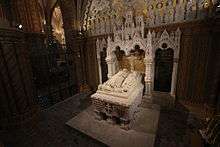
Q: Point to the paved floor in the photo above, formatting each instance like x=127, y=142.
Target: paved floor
x=173, y=130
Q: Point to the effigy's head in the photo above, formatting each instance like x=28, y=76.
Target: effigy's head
x=125, y=70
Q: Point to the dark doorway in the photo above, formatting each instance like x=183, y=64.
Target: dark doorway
x=163, y=70
x=104, y=66
x=119, y=53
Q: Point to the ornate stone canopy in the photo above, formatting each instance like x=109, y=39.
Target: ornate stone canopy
x=131, y=33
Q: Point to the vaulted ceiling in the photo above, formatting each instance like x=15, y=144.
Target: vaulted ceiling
x=98, y=9
x=79, y=7
x=86, y=10
x=47, y=6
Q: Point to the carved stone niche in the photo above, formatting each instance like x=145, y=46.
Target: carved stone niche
x=172, y=41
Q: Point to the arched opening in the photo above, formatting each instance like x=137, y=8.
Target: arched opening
x=119, y=53
x=58, y=32
x=163, y=69
x=121, y=58
x=57, y=25
x=137, y=47
x=138, y=51
x=104, y=65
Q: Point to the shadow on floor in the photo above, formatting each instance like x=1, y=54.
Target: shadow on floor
x=177, y=128
x=174, y=127
x=52, y=131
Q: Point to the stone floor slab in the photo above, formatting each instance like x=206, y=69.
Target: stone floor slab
x=142, y=134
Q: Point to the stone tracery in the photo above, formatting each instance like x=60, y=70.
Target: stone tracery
x=154, y=13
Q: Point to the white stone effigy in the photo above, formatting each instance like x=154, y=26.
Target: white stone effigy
x=118, y=98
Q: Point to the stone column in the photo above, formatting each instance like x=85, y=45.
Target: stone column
x=148, y=77
x=99, y=60
x=27, y=13
x=174, y=77
x=79, y=59
x=153, y=73
x=2, y=13
x=76, y=42
x=109, y=63
x=99, y=66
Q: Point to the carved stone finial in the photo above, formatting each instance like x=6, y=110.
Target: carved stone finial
x=97, y=44
x=165, y=34
x=149, y=33
x=153, y=34
x=149, y=38
x=104, y=43
x=178, y=32
x=109, y=39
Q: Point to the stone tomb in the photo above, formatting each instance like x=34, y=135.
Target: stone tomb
x=142, y=134
x=117, y=99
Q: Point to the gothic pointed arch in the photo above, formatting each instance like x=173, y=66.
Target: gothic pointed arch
x=57, y=25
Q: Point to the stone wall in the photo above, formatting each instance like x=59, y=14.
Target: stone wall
x=213, y=66
x=198, y=61
x=17, y=105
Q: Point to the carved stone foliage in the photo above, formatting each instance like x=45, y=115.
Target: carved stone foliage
x=104, y=16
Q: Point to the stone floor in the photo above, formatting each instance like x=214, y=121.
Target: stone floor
x=174, y=129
